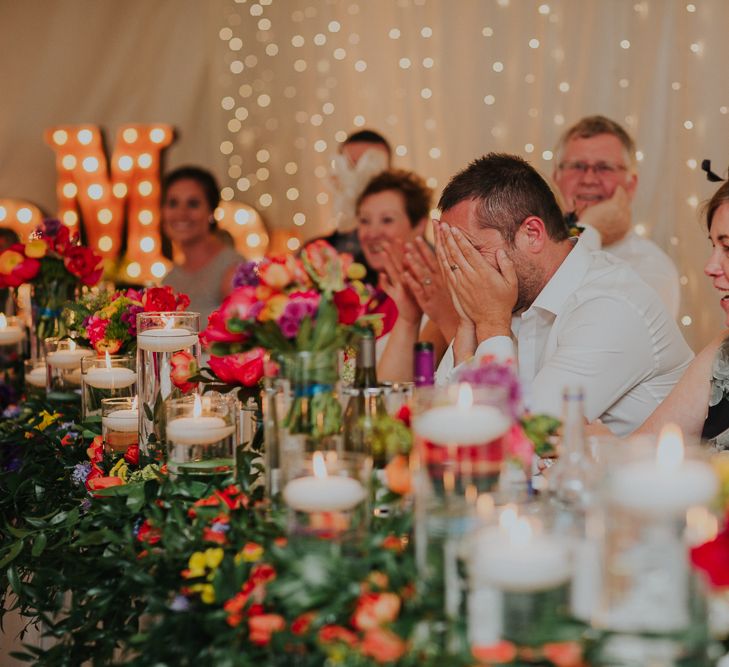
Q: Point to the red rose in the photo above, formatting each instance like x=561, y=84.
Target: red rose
x=61, y=241
x=98, y=483
x=163, y=299
x=302, y=622
x=84, y=263
x=132, y=455
x=261, y=627
x=348, y=305
x=95, y=450
x=244, y=369
x=383, y=645
x=375, y=609
x=217, y=332
x=148, y=534
x=16, y=268
x=337, y=633
x=184, y=366
x=712, y=558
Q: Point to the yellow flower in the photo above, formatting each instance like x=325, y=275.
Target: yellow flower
x=196, y=564
x=207, y=592
x=274, y=308
x=356, y=271
x=120, y=470
x=213, y=557
x=250, y=553
x=47, y=419
x=36, y=248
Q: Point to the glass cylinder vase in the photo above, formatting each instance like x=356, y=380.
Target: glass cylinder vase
x=168, y=347
x=12, y=337
x=63, y=362
x=47, y=300
x=36, y=378
x=119, y=423
x=110, y=376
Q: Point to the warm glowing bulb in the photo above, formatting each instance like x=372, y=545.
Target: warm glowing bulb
x=465, y=396
x=104, y=216
x=197, y=407
x=119, y=190
x=90, y=164
x=125, y=163
x=157, y=135
x=24, y=215
x=144, y=160
x=158, y=269
x=669, y=454
x=68, y=161
x=105, y=243
x=319, y=467
x=84, y=137
x=130, y=135
x=60, y=137
x=134, y=270
x=145, y=188
x=95, y=191
x=147, y=244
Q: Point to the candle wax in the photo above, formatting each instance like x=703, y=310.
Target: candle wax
x=11, y=335
x=452, y=425
x=166, y=340
x=66, y=359
x=37, y=377
x=123, y=420
x=197, y=430
x=323, y=494
x=110, y=378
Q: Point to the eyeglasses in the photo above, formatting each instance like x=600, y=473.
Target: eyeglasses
x=600, y=168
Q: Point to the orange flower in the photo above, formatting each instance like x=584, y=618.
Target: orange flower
x=337, y=633
x=383, y=645
x=375, y=609
x=261, y=627
x=235, y=607
x=251, y=552
x=210, y=535
x=36, y=248
x=95, y=451
x=397, y=474
x=275, y=273
x=393, y=543
x=564, y=654
x=495, y=653
x=302, y=622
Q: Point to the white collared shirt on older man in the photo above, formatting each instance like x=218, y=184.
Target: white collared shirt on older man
x=595, y=324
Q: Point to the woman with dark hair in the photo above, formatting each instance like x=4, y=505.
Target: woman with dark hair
x=699, y=403
x=189, y=198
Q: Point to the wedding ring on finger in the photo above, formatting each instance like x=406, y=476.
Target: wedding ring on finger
x=454, y=267
x=427, y=281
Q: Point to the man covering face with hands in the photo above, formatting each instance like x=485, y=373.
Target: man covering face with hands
x=569, y=315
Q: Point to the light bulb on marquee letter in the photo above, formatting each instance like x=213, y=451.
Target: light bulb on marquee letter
x=19, y=215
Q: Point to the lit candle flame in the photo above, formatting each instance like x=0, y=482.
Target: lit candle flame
x=108, y=360
x=485, y=506
x=71, y=345
x=465, y=396
x=319, y=467
x=134, y=403
x=3, y=321
x=669, y=454
x=520, y=532
x=197, y=407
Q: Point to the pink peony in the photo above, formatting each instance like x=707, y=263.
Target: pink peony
x=184, y=366
x=240, y=369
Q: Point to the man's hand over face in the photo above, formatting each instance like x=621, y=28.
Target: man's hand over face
x=611, y=217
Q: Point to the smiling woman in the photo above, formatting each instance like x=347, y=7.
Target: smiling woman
x=189, y=198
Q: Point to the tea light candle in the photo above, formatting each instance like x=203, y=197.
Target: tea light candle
x=513, y=558
x=463, y=424
x=322, y=492
x=10, y=334
x=124, y=421
x=198, y=430
x=37, y=377
x=70, y=358
x=166, y=339
x=110, y=377
x=667, y=485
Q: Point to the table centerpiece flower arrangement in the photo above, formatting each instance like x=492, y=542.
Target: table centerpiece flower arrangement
x=55, y=264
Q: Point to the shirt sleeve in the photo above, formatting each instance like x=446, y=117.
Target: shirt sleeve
x=605, y=347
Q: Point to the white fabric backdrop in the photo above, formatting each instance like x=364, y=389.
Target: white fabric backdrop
x=253, y=87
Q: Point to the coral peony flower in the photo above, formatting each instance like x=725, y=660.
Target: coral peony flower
x=564, y=654
x=16, y=268
x=349, y=306
x=148, y=534
x=324, y=264
x=397, y=474
x=383, y=645
x=275, y=273
x=84, y=263
x=98, y=483
x=244, y=369
x=302, y=623
x=95, y=450
x=184, y=366
x=518, y=446
x=261, y=627
x=337, y=633
x=375, y=609
x=495, y=653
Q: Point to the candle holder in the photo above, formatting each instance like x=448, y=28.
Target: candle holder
x=164, y=339
x=200, y=435
x=63, y=361
x=12, y=337
x=119, y=423
x=519, y=572
x=652, y=606
x=397, y=396
x=327, y=496
x=36, y=378
x=111, y=376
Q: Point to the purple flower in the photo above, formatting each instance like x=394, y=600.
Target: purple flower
x=294, y=313
x=246, y=275
x=85, y=505
x=50, y=227
x=11, y=412
x=80, y=473
x=129, y=317
x=218, y=527
x=180, y=603
x=493, y=374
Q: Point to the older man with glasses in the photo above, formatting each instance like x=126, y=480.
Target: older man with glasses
x=596, y=176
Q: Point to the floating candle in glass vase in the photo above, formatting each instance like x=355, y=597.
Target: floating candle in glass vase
x=12, y=335
x=119, y=423
x=110, y=376
x=200, y=435
x=63, y=358
x=12, y=330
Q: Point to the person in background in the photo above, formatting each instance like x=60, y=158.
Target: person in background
x=596, y=176
x=361, y=156
x=699, y=403
x=570, y=316
x=391, y=212
x=189, y=198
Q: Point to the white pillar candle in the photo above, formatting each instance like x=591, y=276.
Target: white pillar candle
x=125, y=421
x=198, y=430
x=162, y=339
x=667, y=485
x=322, y=492
x=10, y=334
x=463, y=424
x=37, y=377
x=514, y=559
x=68, y=359
x=115, y=377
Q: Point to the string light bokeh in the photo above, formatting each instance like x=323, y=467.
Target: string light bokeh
x=447, y=82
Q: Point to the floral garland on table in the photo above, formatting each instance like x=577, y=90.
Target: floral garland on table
x=107, y=321
x=54, y=263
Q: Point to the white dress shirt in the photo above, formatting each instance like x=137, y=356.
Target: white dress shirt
x=596, y=325
x=647, y=260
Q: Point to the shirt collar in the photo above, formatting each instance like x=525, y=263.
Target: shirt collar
x=566, y=279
